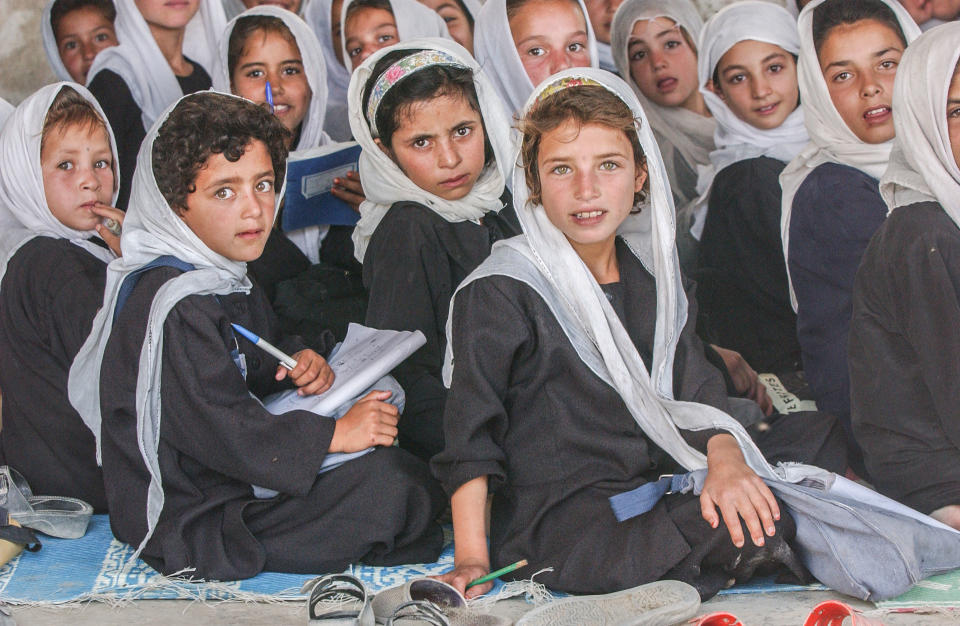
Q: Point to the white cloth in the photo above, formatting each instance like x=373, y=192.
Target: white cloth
x=141, y=65
x=922, y=167
x=24, y=213
x=736, y=140
x=678, y=129
x=5, y=110
x=50, y=44
x=337, y=124
x=311, y=130
x=605, y=58
x=233, y=8
x=831, y=140
x=383, y=181
x=414, y=21
x=589, y=319
x=151, y=229
x=495, y=51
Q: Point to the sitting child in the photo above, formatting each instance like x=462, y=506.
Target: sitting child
x=435, y=143
x=323, y=17
x=368, y=25
x=182, y=434
x=905, y=331
x=74, y=32
x=58, y=183
x=459, y=16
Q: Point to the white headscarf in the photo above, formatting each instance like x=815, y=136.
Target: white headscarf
x=414, y=21
x=311, y=130
x=677, y=128
x=831, y=140
x=736, y=140
x=588, y=318
x=24, y=213
x=495, y=51
x=141, y=65
x=922, y=167
x=383, y=181
x=50, y=44
x=317, y=15
x=151, y=229
x=5, y=110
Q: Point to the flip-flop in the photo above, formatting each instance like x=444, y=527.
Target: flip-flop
x=338, y=600
x=438, y=593
x=56, y=516
x=833, y=612
x=717, y=619
x=417, y=613
x=660, y=603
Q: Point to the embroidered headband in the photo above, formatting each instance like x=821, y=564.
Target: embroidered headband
x=398, y=71
x=565, y=83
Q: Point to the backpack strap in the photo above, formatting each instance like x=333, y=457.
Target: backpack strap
x=130, y=282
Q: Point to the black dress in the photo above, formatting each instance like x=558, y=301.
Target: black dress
x=216, y=439
x=904, y=365
x=414, y=263
x=556, y=442
x=125, y=117
x=49, y=296
x=744, y=297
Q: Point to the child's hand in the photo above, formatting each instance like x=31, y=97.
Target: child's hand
x=745, y=379
x=737, y=490
x=369, y=422
x=105, y=210
x=349, y=190
x=461, y=575
x=312, y=374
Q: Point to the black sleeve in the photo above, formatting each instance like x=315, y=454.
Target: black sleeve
x=337, y=248
x=124, y=115
x=76, y=296
x=209, y=414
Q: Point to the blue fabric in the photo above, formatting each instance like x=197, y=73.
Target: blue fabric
x=640, y=500
x=130, y=282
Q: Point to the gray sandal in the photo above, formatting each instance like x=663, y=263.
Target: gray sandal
x=56, y=516
x=338, y=600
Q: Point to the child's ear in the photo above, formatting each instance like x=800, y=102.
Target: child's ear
x=641, y=180
x=387, y=151
x=714, y=88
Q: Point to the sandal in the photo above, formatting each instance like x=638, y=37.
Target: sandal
x=62, y=517
x=833, y=612
x=441, y=595
x=717, y=619
x=418, y=613
x=338, y=600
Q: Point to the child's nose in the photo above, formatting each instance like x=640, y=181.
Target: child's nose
x=586, y=185
x=447, y=154
x=88, y=179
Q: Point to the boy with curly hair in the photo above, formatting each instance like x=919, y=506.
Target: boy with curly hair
x=173, y=393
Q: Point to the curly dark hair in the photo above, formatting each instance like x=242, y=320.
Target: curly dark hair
x=209, y=123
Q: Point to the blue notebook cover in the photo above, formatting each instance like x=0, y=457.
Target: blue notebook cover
x=310, y=175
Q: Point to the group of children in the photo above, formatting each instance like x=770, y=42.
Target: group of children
x=599, y=264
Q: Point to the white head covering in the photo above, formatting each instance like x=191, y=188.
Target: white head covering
x=151, y=229
x=5, y=110
x=414, y=21
x=831, y=140
x=317, y=14
x=588, y=318
x=922, y=167
x=737, y=140
x=24, y=213
x=495, y=51
x=143, y=67
x=383, y=181
x=677, y=128
x=233, y=8
x=50, y=44
x=311, y=130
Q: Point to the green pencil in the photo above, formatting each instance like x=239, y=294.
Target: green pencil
x=498, y=573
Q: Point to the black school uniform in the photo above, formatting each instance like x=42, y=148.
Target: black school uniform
x=125, y=117
x=904, y=365
x=49, y=296
x=215, y=440
x=413, y=264
x=556, y=442
x=744, y=296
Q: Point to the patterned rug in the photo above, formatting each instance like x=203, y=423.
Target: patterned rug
x=91, y=568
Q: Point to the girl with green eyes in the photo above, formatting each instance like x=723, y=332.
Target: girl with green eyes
x=850, y=52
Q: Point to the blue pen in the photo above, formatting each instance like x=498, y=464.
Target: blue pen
x=269, y=94
x=285, y=359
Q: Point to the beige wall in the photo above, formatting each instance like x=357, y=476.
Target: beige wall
x=23, y=62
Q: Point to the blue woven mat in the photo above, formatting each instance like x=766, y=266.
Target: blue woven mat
x=91, y=568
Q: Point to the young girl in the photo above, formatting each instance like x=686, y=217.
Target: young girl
x=459, y=16
x=551, y=406
x=519, y=43
x=58, y=183
x=654, y=46
x=323, y=16
x=850, y=50
x=747, y=74
x=74, y=32
x=368, y=25
x=182, y=435
x=905, y=331
x=435, y=140
x=151, y=68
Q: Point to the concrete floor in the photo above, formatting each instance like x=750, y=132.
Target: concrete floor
x=773, y=609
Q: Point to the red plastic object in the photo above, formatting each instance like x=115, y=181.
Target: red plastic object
x=717, y=619
x=833, y=612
